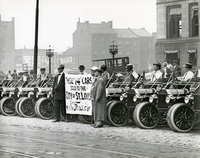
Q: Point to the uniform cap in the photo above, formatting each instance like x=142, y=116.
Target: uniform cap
x=157, y=64
x=61, y=66
x=119, y=75
x=188, y=65
x=93, y=68
x=104, y=67
x=129, y=67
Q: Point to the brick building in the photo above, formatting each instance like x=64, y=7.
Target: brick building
x=178, y=31
x=7, y=45
x=91, y=42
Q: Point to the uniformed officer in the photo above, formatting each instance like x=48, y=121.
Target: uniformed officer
x=43, y=78
x=188, y=73
x=131, y=75
x=25, y=78
x=157, y=73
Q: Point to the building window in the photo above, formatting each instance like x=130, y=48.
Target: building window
x=127, y=53
x=192, y=57
x=171, y=55
x=119, y=53
x=127, y=43
x=119, y=42
x=194, y=18
x=174, y=22
x=119, y=62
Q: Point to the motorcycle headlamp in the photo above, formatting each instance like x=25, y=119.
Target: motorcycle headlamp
x=153, y=98
x=169, y=98
x=136, y=97
x=30, y=94
x=18, y=94
x=10, y=94
x=38, y=94
x=188, y=98
x=121, y=98
x=48, y=94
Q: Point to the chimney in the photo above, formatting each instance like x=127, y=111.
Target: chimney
x=87, y=23
x=110, y=24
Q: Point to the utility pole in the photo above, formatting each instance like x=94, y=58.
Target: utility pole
x=36, y=37
x=50, y=54
x=113, y=50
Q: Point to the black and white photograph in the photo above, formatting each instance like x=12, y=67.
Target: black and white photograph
x=99, y=79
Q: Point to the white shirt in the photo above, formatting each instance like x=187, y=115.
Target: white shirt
x=188, y=75
x=9, y=77
x=156, y=75
x=59, y=76
x=83, y=73
x=24, y=78
x=43, y=76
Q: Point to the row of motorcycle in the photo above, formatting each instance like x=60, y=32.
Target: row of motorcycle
x=167, y=101
x=148, y=104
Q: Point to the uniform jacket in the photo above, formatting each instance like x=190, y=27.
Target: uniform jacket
x=99, y=95
x=156, y=75
x=177, y=71
x=187, y=76
x=59, y=88
x=106, y=77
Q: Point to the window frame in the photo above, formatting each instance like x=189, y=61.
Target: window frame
x=168, y=22
x=191, y=34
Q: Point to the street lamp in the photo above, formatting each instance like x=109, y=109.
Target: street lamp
x=49, y=53
x=113, y=50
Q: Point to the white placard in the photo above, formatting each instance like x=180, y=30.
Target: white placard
x=77, y=88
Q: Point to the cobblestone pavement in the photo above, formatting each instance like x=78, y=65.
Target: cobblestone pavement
x=161, y=135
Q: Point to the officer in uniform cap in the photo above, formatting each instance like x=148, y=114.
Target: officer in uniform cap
x=188, y=73
x=43, y=77
x=132, y=75
x=82, y=69
x=157, y=73
x=25, y=78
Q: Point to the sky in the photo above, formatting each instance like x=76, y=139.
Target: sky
x=58, y=18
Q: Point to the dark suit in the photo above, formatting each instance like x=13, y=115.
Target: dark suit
x=59, y=96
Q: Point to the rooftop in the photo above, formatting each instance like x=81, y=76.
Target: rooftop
x=141, y=32
x=125, y=33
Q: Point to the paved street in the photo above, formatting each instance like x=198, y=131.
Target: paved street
x=17, y=140
x=23, y=142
